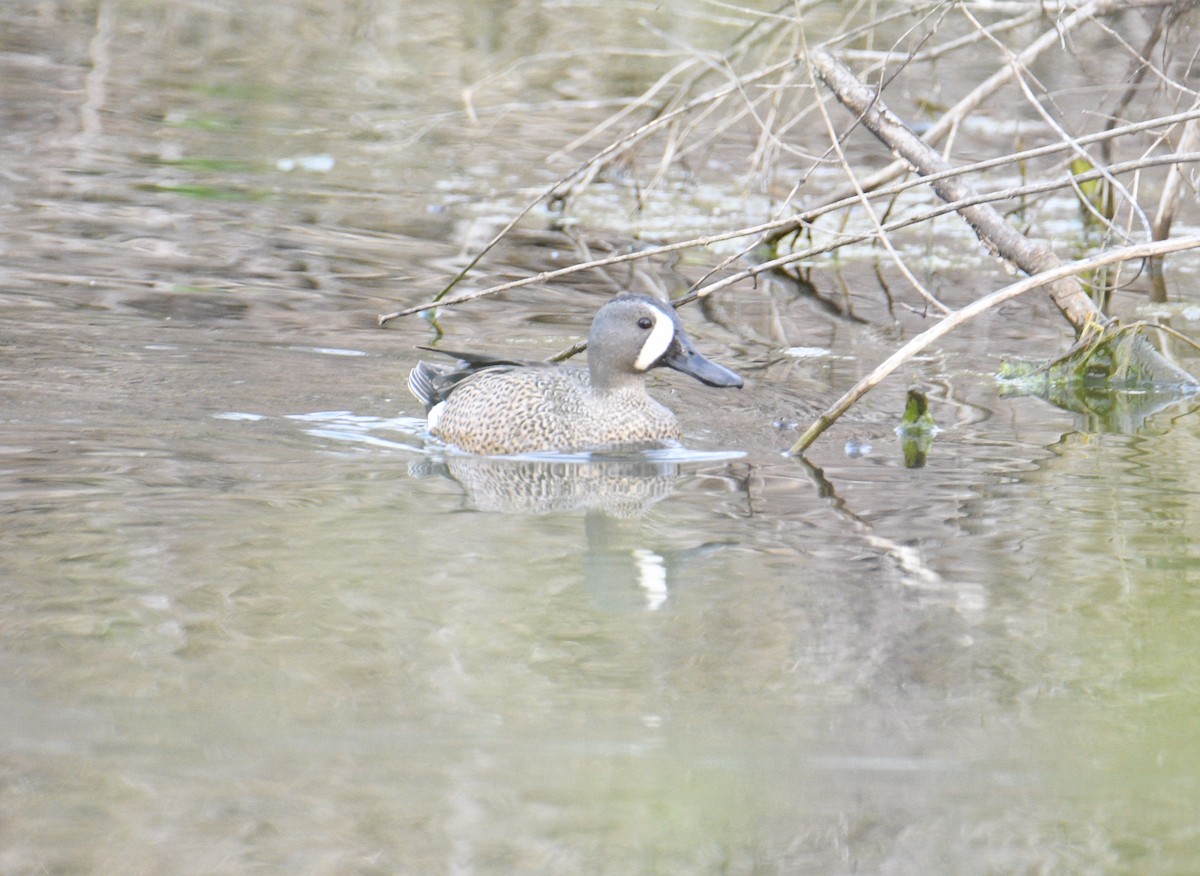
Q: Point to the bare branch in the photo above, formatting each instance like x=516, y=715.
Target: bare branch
x=811, y=215
x=995, y=233
x=954, y=116
x=866, y=203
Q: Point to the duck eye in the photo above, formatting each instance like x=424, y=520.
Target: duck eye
x=645, y=322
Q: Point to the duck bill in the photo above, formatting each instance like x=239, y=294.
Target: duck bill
x=682, y=356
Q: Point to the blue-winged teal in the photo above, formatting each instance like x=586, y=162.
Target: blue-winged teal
x=492, y=406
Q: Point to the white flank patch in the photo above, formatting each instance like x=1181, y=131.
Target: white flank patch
x=435, y=414
x=660, y=338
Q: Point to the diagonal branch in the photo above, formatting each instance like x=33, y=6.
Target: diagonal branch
x=954, y=116
x=997, y=235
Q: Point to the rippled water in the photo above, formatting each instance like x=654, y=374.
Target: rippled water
x=252, y=622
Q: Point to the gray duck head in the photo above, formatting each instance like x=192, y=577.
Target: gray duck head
x=633, y=333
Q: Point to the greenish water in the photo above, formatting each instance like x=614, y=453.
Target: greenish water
x=250, y=625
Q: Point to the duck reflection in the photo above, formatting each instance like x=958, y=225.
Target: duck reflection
x=620, y=486
x=624, y=573
x=622, y=568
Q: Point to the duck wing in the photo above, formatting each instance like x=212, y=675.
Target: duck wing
x=432, y=384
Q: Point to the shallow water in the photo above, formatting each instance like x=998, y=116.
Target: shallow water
x=253, y=622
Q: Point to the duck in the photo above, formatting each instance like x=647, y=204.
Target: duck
x=498, y=407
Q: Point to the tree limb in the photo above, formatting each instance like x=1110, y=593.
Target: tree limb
x=997, y=235
x=950, y=119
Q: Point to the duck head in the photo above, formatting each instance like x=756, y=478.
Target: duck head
x=633, y=333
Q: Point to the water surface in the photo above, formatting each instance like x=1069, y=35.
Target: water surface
x=252, y=623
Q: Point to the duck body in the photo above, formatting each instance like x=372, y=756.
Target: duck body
x=488, y=406
x=551, y=408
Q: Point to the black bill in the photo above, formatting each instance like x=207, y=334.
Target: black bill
x=682, y=356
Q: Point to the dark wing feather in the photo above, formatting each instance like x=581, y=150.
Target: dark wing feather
x=432, y=384
x=477, y=361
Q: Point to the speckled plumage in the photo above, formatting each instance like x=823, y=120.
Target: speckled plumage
x=532, y=408
x=509, y=408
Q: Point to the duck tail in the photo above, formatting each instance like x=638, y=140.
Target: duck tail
x=420, y=384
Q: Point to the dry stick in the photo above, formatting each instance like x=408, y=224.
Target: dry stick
x=996, y=234
x=593, y=162
x=974, y=309
x=1168, y=203
x=898, y=224
x=816, y=212
x=952, y=117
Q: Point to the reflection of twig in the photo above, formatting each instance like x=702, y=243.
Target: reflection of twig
x=907, y=558
x=95, y=84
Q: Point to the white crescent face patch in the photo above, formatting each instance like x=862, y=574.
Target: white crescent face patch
x=660, y=337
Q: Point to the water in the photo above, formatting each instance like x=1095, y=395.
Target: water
x=252, y=622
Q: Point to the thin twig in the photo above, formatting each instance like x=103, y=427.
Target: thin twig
x=594, y=162
x=801, y=255
x=866, y=204
x=952, y=117
x=1021, y=74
